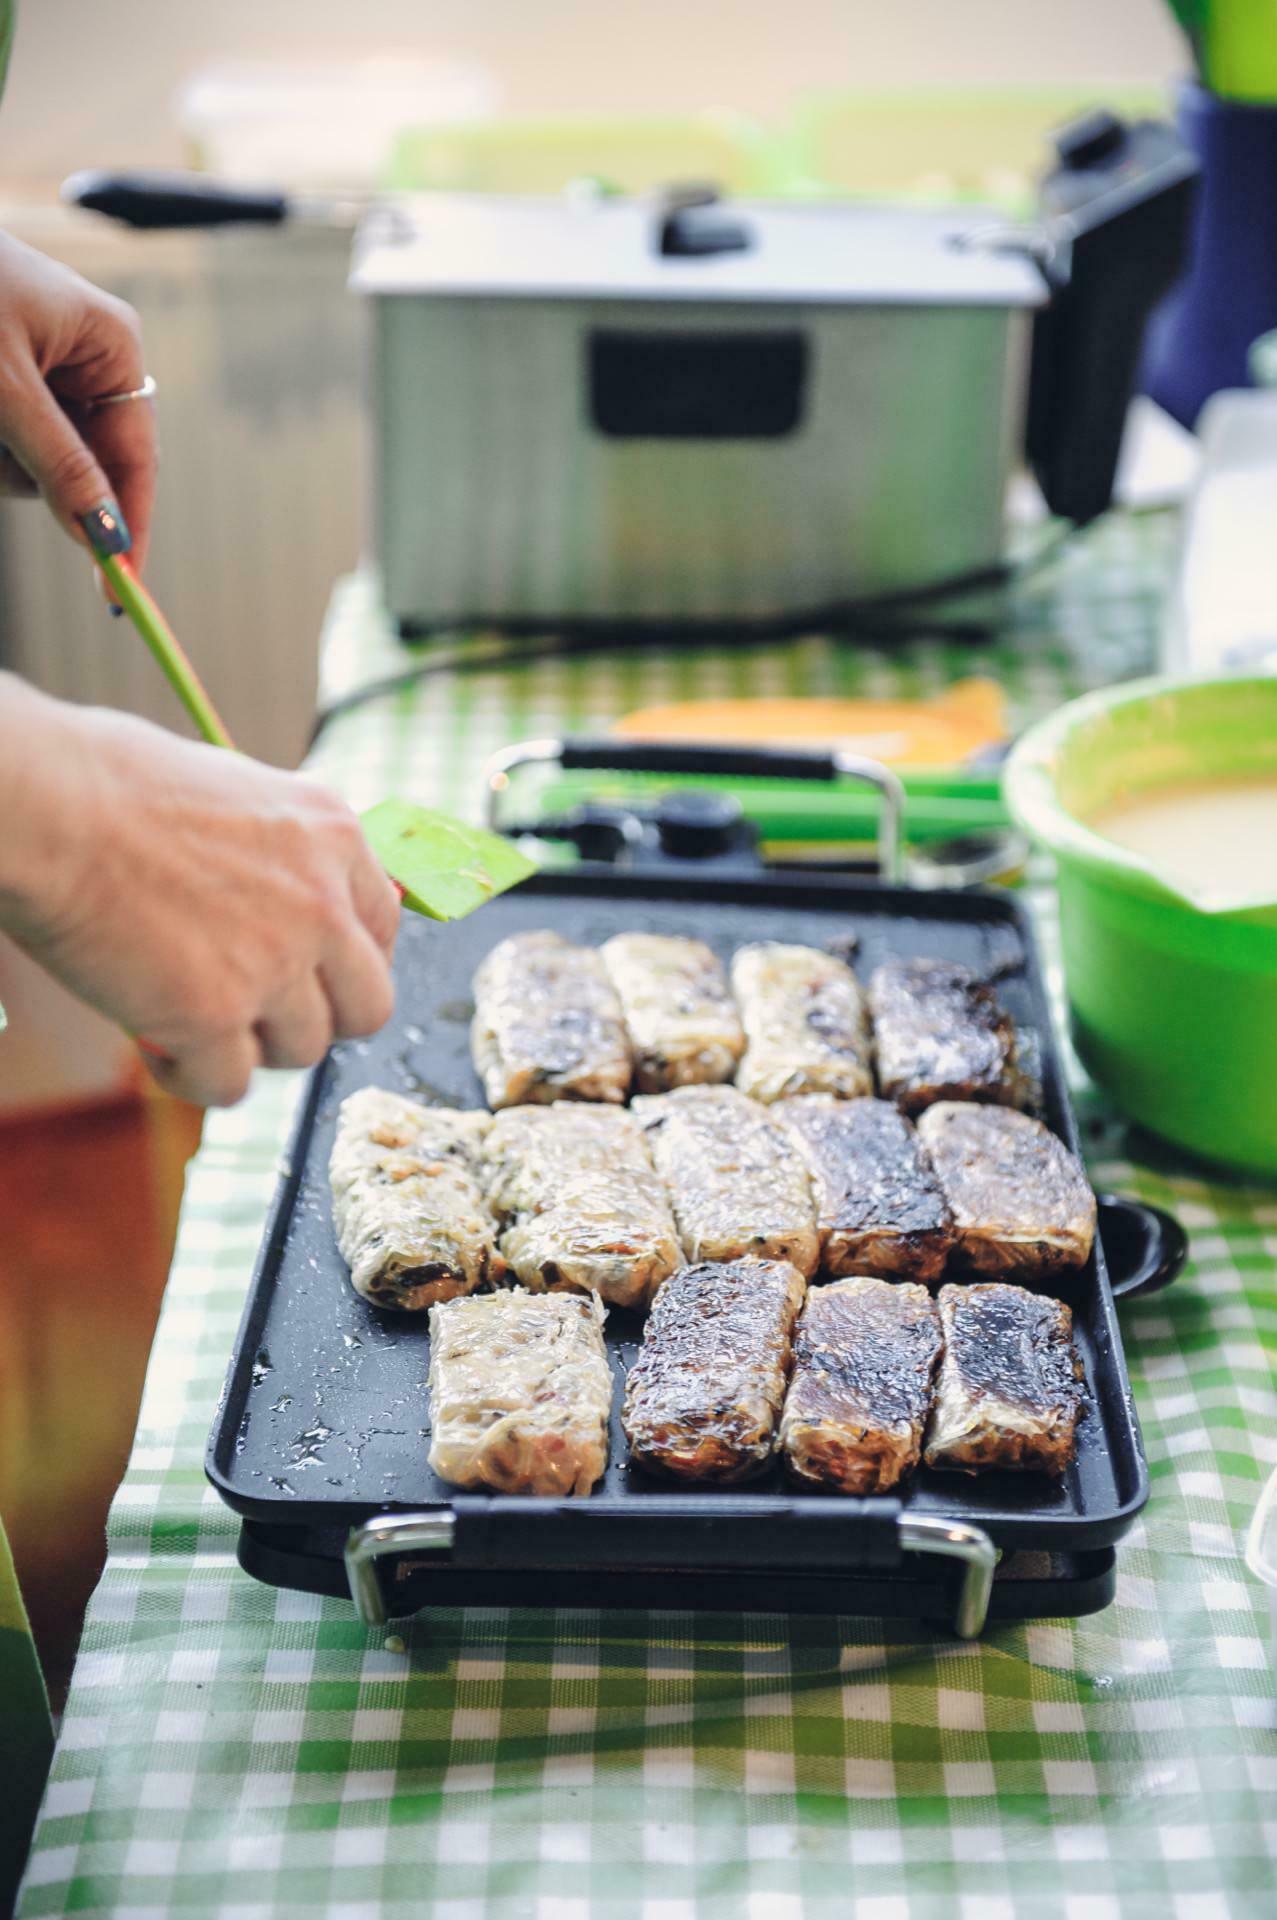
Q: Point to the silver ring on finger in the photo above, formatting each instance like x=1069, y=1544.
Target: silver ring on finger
x=147, y=391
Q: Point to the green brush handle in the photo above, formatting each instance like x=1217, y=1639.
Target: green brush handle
x=163, y=643
x=438, y=866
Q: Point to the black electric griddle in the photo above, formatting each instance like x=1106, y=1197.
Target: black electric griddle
x=324, y=1423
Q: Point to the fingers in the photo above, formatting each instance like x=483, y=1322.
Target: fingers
x=15, y=482
x=213, y=1073
x=356, y=978
x=296, y=1032
x=376, y=899
x=124, y=441
x=351, y=995
x=67, y=344
x=330, y=980
x=45, y=442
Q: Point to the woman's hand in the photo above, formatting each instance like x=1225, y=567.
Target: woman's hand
x=232, y=914
x=64, y=343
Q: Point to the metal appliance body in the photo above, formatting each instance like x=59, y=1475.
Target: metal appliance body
x=683, y=411
x=574, y=424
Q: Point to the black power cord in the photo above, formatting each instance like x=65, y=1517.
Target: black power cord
x=869, y=619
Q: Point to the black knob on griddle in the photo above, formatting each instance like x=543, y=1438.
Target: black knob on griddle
x=1090, y=139
x=598, y=831
x=697, y=825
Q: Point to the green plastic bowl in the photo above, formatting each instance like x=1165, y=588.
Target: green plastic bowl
x=1173, y=994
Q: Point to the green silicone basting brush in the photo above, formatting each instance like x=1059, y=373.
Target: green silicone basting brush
x=442, y=867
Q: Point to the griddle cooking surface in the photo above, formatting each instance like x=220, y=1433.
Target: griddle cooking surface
x=326, y=1417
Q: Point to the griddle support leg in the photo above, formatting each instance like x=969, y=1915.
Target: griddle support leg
x=957, y=1540
x=393, y=1533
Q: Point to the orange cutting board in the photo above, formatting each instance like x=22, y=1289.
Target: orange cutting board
x=939, y=732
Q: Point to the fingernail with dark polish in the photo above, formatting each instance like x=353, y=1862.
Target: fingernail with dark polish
x=107, y=529
x=116, y=612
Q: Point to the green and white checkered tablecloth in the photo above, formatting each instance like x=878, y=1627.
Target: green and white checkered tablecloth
x=233, y=1750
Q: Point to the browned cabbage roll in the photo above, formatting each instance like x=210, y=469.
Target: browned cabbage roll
x=547, y=1024
x=412, y=1223
x=1021, y=1202
x=879, y=1206
x=941, y=1034
x=682, y=1021
x=580, y=1203
x=520, y=1392
x=1009, y=1391
x=736, y=1180
x=703, y=1398
x=865, y=1354
x=805, y=1023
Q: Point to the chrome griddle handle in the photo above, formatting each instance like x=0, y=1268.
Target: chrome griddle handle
x=435, y=1532
x=731, y=762
x=957, y=1540
x=391, y=1533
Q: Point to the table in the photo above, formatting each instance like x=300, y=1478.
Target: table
x=235, y=1750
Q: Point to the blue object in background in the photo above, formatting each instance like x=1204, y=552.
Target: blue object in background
x=1199, y=337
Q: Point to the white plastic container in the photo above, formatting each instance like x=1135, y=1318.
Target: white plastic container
x=1261, y=1551
x=323, y=125
x=1222, y=613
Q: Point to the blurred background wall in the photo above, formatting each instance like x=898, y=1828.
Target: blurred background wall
x=69, y=108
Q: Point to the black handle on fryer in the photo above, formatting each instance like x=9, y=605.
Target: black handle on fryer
x=716, y=1530
x=737, y=763
x=1144, y=1248
x=173, y=200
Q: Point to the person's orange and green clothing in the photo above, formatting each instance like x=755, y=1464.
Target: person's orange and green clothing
x=26, y=1730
